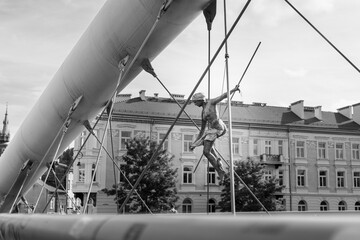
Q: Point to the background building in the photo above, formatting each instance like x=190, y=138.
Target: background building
x=315, y=154
x=4, y=133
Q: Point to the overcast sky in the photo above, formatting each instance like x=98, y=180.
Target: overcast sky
x=293, y=62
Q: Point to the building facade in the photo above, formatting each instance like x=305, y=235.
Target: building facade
x=315, y=154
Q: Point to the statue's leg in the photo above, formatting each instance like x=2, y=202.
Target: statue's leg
x=210, y=154
x=218, y=160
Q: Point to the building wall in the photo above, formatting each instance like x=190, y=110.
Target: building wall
x=196, y=190
x=105, y=175
x=312, y=193
x=252, y=142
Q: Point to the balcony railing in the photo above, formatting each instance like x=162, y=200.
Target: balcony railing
x=272, y=159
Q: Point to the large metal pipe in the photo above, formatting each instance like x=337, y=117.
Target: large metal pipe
x=174, y=227
x=91, y=70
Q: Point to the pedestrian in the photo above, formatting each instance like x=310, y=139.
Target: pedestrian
x=172, y=209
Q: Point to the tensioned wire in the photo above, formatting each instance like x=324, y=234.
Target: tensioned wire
x=187, y=101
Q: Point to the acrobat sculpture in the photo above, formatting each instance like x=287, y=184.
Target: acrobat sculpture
x=217, y=128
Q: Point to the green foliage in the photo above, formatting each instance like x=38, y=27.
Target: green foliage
x=251, y=173
x=157, y=188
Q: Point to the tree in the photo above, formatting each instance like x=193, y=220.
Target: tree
x=60, y=165
x=252, y=175
x=157, y=188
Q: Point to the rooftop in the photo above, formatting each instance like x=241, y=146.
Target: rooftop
x=256, y=113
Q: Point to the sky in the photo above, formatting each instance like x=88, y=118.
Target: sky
x=293, y=62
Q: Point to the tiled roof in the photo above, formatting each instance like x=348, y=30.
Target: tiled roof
x=241, y=113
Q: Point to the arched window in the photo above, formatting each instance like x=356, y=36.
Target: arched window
x=324, y=206
x=357, y=206
x=342, y=206
x=302, y=206
x=212, y=205
x=187, y=205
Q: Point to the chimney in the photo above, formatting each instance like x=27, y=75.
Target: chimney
x=259, y=104
x=346, y=111
x=298, y=108
x=318, y=113
x=142, y=95
x=356, y=113
x=122, y=97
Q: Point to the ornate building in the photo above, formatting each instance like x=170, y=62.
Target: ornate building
x=315, y=154
x=4, y=133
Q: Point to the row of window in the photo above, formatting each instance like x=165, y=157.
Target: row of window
x=188, y=175
x=277, y=147
x=187, y=140
x=270, y=147
x=323, y=178
x=259, y=146
x=188, y=172
x=187, y=205
x=322, y=150
x=324, y=206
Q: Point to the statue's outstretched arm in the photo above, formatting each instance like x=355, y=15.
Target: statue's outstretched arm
x=224, y=95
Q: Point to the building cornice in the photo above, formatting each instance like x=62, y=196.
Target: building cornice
x=164, y=120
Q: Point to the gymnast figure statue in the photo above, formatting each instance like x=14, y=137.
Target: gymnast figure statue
x=217, y=128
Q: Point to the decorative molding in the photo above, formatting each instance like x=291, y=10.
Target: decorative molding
x=323, y=162
x=154, y=136
x=301, y=161
x=339, y=139
x=300, y=137
x=235, y=133
x=355, y=163
x=302, y=189
x=340, y=162
x=176, y=136
x=311, y=144
x=341, y=190
x=189, y=130
x=323, y=190
x=115, y=132
x=356, y=191
x=139, y=133
x=260, y=133
x=187, y=157
x=122, y=125
x=321, y=138
x=165, y=129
